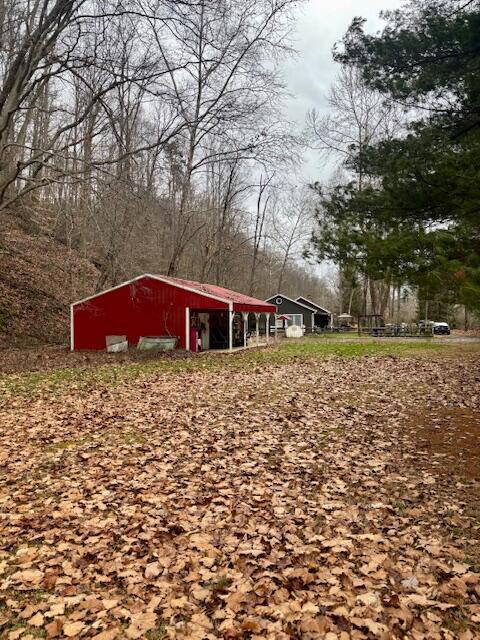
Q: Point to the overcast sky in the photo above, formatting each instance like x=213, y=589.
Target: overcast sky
x=321, y=23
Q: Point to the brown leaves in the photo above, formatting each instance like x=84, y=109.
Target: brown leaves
x=37, y=620
x=54, y=629
x=289, y=502
x=109, y=634
x=140, y=624
x=72, y=629
x=152, y=570
x=29, y=578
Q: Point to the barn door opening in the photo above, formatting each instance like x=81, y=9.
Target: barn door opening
x=205, y=330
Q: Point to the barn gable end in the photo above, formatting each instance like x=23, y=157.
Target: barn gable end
x=140, y=307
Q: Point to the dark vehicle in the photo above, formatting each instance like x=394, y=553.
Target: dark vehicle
x=441, y=329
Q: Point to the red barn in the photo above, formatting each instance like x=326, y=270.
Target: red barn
x=152, y=305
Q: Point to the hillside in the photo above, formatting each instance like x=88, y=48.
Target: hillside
x=39, y=277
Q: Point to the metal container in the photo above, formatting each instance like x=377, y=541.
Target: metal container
x=157, y=343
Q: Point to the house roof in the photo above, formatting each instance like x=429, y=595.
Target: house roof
x=300, y=304
x=316, y=306
x=239, y=300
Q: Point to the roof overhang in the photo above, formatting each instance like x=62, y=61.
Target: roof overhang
x=316, y=306
x=254, y=308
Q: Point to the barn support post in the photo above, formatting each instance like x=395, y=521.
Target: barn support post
x=267, y=327
x=257, y=326
x=245, y=328
x=72, y=340
x=187, y=328
x=231, y=313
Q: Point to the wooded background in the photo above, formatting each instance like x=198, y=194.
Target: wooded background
x=150, y=136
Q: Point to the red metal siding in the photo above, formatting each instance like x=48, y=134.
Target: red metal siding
x=144, y=307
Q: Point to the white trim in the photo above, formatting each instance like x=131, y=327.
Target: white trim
x=100, y=293
x=267, y=327
x=316, y=306
x=187, y=328
x=160, y=279
x=280, y=295
x=72, y=342
x=245, y=328
x=230, y=326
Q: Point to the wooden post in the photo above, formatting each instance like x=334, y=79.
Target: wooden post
x=267, y=326
x=257, y=327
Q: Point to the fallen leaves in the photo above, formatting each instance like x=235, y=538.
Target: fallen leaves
x=284, y=502
x=28, y=577
x=152, y=570
x=140, y=624
x=72, y=629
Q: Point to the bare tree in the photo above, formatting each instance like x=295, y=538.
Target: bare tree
x=135, y=133
x=264, y=194
x=292, y=222
x=46, y=49
x=359, y=117
x=227, y=87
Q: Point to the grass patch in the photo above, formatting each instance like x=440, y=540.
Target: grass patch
x=314, y=347
x=61, y=446
x=134, y=438
x=158, y=633
x=221, y=584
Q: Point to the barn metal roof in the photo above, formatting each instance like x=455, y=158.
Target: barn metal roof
x=210, y=290
x=226, y=295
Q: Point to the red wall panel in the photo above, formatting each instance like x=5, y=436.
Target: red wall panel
x=145, y=307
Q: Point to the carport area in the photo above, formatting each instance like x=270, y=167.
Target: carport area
x=214, y=329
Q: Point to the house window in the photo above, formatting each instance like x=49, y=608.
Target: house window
x=279, y=301
x=295, y=318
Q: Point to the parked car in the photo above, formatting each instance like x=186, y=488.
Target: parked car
x=441, y=329
x=426, y=327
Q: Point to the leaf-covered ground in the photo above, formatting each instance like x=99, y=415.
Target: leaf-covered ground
x=289, y=494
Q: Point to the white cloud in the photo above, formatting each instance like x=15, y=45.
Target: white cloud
x=321, y=23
